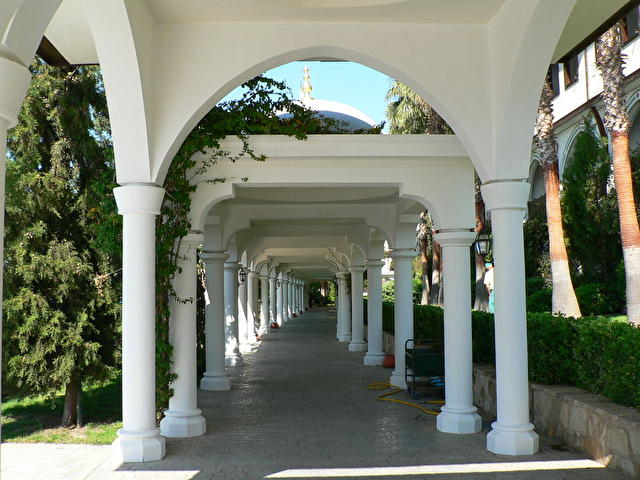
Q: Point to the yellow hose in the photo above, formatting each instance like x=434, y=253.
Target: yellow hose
x=394, y=390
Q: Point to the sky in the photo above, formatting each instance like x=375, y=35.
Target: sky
x=345, y=82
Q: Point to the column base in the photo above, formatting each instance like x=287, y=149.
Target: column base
x=397, y=380
x=264, y=330
x=300, y=312
x=344, y=338
x=512, y=440
x=215, y=382
x=373, y=359
x=245, y=348
x=460, y=421
x=145, y=446
x=233, y=360
x=358, y=346
x=178, y=424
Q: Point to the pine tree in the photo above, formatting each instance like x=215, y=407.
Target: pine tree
x=61, y=305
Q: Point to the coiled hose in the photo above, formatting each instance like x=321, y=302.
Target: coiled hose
x=394, y=390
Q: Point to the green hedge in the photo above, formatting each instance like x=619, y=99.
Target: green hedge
x=593, y=353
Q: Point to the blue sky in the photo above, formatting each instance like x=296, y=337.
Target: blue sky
x=346, y=82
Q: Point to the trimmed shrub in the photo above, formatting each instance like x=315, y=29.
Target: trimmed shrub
x=593, y=353
x=539, y=301
x=594, y=299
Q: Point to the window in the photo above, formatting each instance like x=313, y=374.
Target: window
x=570, y=70
x=553, y=77
x=629, y=25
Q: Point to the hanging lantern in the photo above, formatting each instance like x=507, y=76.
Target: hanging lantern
x=482, y=244
x=242, y=276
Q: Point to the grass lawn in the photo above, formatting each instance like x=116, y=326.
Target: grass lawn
x=37, y=419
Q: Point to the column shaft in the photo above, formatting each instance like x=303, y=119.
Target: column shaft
x=183, y=418
x=215, y=377
x=243, y=316
x=357, y=311
x=264, y=305
x=280, y=302
x=375, y=355
x=403, y=312
x=233, y=358
x=459, y=415
x=273, y=312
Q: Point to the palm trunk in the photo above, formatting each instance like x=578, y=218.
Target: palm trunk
x=628, y=223
x=435, y=274
x=424, y=260
x=563, y=299
x=481, y=301
x=72, y=393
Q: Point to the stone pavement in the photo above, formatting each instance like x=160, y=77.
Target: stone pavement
x=299, y=408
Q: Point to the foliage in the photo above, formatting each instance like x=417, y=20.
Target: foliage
x=388, y=291
x=596, y=299
x=408, y=113
x=597, y=354
x=539, y=301
x=536, y=242
x=61, y=304
x=590, y=210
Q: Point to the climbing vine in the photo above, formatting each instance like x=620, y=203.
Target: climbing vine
x=255, y=113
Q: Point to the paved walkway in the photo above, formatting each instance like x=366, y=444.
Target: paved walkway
x=299, y=408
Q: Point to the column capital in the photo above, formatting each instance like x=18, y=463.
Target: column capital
x=252, y=274
x=512, y=194
x=232, y=266
x=357, y=269
x=403, y=253
x=341, y=274
x=374, y=262
x=455, y=238
x=145, y=198
x=16, y=79
x=265, y=277
x=213, y=256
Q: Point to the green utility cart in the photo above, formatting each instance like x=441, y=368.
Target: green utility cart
x=424, y=367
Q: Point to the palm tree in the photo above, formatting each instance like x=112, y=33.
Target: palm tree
x=563, y=298
x=610, y=62
x=409, y=113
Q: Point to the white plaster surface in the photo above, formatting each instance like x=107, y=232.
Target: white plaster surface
x=301, y=403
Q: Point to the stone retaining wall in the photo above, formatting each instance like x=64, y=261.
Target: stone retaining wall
x=608, y=432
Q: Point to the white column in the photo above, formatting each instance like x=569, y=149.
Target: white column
x=374, y=355
x=280, y=300
x=273, y=312
x=264, y=305
x=339, y=320
x=16, y=79
x=215, y=377
x=252, y=307
x=183, y=418
x=243, y=317
x=403, y=312
x=285, y=299
x=357, y=310
x=512, y=433
x=459, y=415
x=232, y=355
x=344, y=319
x=301, y=296
x=290, y=299
x=139, y=439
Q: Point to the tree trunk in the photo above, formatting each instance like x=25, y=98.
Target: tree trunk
x=563, y=298
x=424, y=260
x=628, y=223
x=436, y=275
x=481, y=301
x=72, y=394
